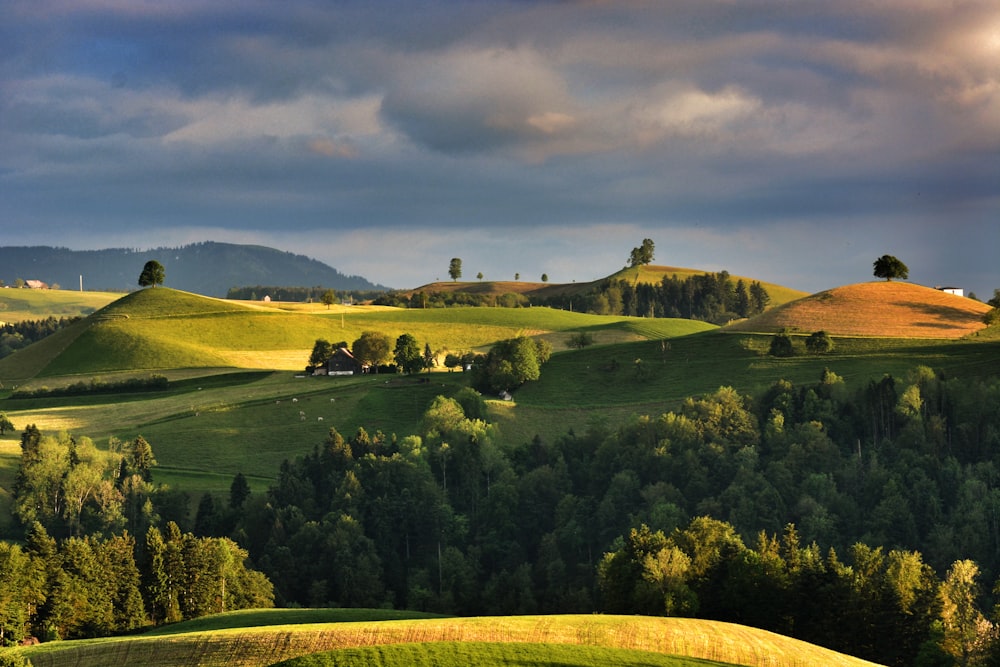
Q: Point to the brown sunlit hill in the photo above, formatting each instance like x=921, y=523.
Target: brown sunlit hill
x=892, y=309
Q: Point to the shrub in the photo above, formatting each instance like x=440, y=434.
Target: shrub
x=781, y=346
x=819, y=342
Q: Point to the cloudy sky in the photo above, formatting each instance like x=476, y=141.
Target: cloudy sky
x=790, y=141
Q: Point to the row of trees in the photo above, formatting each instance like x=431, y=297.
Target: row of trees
x=375, y=350
x=316, y=294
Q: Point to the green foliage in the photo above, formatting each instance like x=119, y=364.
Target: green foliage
x=511, y=363
x=328, y=298
x=781, y=346
x=372, y=349
x=819, y=342
x=643, y=254
x=321, y=352
x=889, y=267
x=407, y=354
x=581, y=340
x=455, y=268
x=152, y=274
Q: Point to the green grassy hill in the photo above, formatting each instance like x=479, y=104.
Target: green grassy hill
x=256, y=639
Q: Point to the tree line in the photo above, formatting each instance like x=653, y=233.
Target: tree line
x=297, y=294
x=16, y=335
x=711, y=297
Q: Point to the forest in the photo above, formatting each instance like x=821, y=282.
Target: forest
x=863, y=520
x=710, y=297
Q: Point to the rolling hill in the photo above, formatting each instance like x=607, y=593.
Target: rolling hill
x=882, y=309
x=265, y=644
x=644, y=274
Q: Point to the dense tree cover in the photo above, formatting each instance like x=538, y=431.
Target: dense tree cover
x=887, y=488
x=297, y=294
x=711, y=297
x=81, y=573
x=15, y=335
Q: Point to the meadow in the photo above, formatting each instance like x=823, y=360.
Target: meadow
x=234, y=386
x=257, y=639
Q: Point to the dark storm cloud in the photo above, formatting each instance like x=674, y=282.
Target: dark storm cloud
x=524, y=129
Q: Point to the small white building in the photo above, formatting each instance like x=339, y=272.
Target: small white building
x=957, y=291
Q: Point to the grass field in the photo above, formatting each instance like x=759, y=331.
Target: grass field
x=226, y=400
x=293, y=633
x=463, y=654
x=17, y=305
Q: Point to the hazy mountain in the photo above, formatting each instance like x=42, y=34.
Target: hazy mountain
x=203, y=268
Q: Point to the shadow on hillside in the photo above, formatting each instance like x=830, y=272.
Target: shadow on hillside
x=955, y=316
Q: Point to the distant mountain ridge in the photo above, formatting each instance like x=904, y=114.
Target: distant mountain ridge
x=208, y=268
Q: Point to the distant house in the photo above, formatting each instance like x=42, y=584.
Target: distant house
x=342, y=362
x=35, y=284
x=957, y=291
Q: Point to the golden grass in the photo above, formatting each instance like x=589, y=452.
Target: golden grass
x=710, y=640
x=882, y=309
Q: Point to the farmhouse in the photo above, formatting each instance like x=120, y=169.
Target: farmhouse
x=35, y=284
x=342, y=362
x=957, y=291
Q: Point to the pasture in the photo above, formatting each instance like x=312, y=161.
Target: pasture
x=237, y=401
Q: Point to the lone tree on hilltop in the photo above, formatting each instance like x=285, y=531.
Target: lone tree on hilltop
x=641, y=255
x=152, y=274
x=455, y=268
x=889, y=267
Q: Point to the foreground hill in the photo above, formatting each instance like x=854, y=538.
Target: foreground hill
x=204, y=268
x=885, y=309
x=264, y=645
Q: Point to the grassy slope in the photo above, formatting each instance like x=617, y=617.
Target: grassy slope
x=17, y=305
x=264, y=645
x=201, y=437
x=893, y=309
x=462, y=654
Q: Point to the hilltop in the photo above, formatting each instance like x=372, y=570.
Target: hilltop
x=208, y=268
x=649, y=273
x=882, y=309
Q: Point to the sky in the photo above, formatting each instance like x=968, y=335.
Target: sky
x=793, y=142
